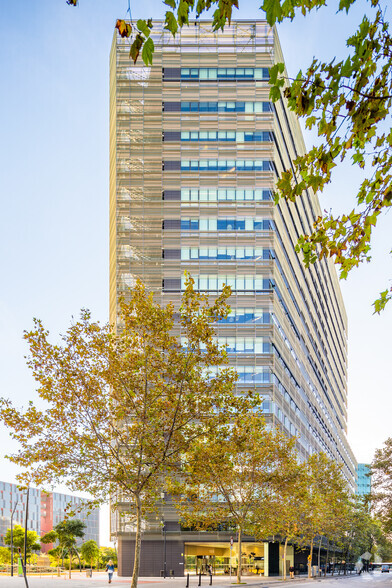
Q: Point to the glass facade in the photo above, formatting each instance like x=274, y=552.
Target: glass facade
x=364, y=479
x=46, y=509
x=196, y=149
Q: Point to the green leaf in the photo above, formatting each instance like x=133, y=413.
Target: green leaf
x=171, y=23
x=273, y=11
x=148, y=50
x=183, y=12
x=171, y=3
x=274, y=94
x=143, y=28
x=274, y=71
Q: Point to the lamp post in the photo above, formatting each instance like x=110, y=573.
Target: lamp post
x=25, y=541
x=164, y=535
x=164, y=548
x=12, y=535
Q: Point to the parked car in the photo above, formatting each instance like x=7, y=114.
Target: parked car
x=385, y=568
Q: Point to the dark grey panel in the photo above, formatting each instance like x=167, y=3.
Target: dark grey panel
x=152, y=557
x=171, y=195
x=171, y=136
x=171, y=284
x=171, y=106
x=171, y=73
x=171, y=165
x=171, y=253
x=171, y=224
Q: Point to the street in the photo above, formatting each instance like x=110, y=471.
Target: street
x=100, y=580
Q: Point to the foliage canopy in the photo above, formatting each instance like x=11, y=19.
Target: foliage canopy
x=121, y=407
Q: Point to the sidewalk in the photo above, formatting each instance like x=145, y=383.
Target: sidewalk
x=99, y=580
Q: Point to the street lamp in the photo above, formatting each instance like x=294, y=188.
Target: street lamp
x=12, y=534
x=164, y=535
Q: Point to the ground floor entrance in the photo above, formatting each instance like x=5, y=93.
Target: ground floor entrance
x=257, y=558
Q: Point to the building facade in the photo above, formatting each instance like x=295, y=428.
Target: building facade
x=196, y=148
x=46, y=510
x=364, y=479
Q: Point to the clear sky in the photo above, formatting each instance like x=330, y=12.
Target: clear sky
x=54, y=97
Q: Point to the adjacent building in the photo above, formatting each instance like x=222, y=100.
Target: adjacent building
x=196, y=148
x=46, y=510
x=364, y=479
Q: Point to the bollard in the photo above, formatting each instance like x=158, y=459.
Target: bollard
x=187, y=581
x=199, y=584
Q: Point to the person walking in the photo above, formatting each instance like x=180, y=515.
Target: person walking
x=291, y=570
x=110, y=570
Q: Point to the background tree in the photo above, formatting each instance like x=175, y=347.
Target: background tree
x=66, y=533
x=325, y=501
x=286, y=507
x=19, y=539
x=122, y=407
x=5, y=555
x=231, y=479
x=106, y=553
x=90, y=552
x=381, y=493
x=348, y=102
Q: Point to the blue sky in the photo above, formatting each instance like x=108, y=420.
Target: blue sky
x=54, y=93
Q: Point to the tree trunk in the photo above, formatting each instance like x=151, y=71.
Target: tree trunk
x=138, y=542
x=326, y=560
x=80, y=563
x=239, y=556
x=334, y=557
x=70, y=564
x=310, y=560
x=284, y=558
x=318, y=560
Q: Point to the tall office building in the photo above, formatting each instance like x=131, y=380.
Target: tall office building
x=196, y=149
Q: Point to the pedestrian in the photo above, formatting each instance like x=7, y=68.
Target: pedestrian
x=110, y=570
x=210, y=570
x=291, y=570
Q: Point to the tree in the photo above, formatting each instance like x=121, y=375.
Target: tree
x=19, y=539
x=66, y=532
x=90, y=552
x=286, y=507
x=381, y=492
x=106, y=553
x=327, y=500
x=231, y=479
x=348, y=102
x=5, y=555
x=123, y=406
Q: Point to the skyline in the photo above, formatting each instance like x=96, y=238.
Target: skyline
x=55, y=160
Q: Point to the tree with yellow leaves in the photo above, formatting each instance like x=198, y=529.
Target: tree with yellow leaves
x=118, y=409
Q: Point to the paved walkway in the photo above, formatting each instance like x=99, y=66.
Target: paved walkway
x=99, y=580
